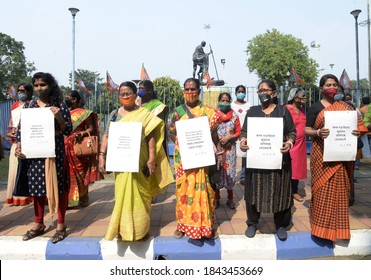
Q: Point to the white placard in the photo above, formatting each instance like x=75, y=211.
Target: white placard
x=264, y=138
x=340, y=145
x=195, y=143
x=37, y=136
x=124, y=146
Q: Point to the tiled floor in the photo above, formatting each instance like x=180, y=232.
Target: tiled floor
x=92, y=221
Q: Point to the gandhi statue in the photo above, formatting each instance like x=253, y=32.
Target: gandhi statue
x=201, y=59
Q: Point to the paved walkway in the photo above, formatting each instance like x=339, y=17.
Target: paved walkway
x=92, y=221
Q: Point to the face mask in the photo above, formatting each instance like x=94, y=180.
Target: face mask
x=330, y=92
x=128, y=101
x=22, y=96
x=141, y=92
x=68, y=103
x=265, y=98
x=240, y=96
x=224, y=107
x=191, y=97
x=338, y=96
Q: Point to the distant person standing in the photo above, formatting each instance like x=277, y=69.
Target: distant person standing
x=241, y=107
x=24, y=93
x=83, y=170
x=298, y=153
x=147, y=95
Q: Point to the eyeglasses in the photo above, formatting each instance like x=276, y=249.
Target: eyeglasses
x=264, y=90
x=126, y=94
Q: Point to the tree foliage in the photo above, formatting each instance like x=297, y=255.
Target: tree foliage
x=168, y=91
x=14, y=68
x=272, y=54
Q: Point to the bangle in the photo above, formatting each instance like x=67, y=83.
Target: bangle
x=102, y=153
x=318, y=131
x=219, y=153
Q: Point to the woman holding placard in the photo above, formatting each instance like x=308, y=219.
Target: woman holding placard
x=194, y=192
x=24, y=94
x=330, y=180
x=47, y=178
x=269, y=190
x=130, y=218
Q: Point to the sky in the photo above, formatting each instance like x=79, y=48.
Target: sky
x=118, y=36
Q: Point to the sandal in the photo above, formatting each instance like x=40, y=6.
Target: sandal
x=231, y=204
x=30, y=234
x=178, y=234
x=59, y=235
x=214, y=234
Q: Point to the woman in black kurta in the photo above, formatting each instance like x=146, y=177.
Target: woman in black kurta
x=267, y=190
x=47, y=178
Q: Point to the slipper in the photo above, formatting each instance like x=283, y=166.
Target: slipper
x=30, y=234
x=231, y=204
x=178, y=234
x=59, y=235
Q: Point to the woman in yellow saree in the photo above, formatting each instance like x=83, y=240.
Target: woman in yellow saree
x=194, y=192
x=83, y=170
x=134, y=190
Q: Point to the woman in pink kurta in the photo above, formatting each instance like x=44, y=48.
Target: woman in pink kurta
x=298, y=153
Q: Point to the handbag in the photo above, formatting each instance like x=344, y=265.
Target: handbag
x=21, y=183
x=87, y=146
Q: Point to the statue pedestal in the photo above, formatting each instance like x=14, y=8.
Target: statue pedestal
x=210, y=95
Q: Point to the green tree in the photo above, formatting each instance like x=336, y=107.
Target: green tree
x=14, y=68
x=272, y=54
x=363, y=84
x=168, y=91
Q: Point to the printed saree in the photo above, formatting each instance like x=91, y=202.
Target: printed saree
x=194, y=194
x=83, y=170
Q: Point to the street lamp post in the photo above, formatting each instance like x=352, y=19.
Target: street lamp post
x=363, y=23
x=73, y=11
x=355, y=14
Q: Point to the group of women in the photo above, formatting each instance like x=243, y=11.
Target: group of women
x=63, y=181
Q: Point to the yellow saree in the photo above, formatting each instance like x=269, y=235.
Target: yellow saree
x=133, y=191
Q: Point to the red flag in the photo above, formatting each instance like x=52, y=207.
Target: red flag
x=81, y=85
x=143, y=74
x=111, y=86
x=207, y=80
x=12, y=93
x=296, y=77
x=345, y=81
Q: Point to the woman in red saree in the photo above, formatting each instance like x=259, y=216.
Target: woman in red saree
x=83, y=170
x=330, y=181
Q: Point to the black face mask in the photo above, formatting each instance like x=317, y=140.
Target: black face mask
x=265, y=98
x=68, y=103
